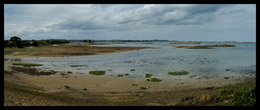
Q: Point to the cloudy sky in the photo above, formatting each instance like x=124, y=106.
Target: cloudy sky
x=187, y=22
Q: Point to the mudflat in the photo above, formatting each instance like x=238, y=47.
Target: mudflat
x=69, y=49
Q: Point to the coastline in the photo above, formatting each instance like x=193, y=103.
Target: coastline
x=92, y=90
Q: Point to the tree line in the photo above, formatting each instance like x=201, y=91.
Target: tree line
x=18, y=42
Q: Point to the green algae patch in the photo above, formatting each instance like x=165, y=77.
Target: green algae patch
x=148, y=75
x=155, y=80
x=120, y=75
x=110, y=70
x=132, y=69
x=178, y=73
x=98, y=72
x=27, y=64
x=78, y=65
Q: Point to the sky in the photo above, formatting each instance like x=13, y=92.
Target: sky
x=183, y=22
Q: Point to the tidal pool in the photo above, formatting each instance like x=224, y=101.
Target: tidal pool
x=220, y=61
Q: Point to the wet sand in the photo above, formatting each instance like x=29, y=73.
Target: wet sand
x=110, y=88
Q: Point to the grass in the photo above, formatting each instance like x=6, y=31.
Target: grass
x=97, y=72
x=78, y=65
x=240, y=95
x=132, y=69
x=155, y=80
x=27, y=64
x=179, y=73
x=120, y=75
x=148, y=75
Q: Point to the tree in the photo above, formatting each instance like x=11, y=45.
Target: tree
x=34, y=43
x=15, y=39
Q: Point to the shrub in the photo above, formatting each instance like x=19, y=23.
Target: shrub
x=246, y=97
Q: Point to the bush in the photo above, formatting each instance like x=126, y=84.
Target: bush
x=246, y=97
x=34, y=43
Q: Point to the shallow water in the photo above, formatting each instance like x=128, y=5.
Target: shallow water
x=201, y=62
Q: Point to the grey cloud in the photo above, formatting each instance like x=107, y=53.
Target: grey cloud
x=146, y=15
x=154, y=15
x=76, y=24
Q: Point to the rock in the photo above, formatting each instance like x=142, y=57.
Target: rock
x=209, y=88
x=67, y=87
x=227, y=69
x=148, y=79
x=227, y=77
x=194, y=103
x=85, y=89
x=205, y=98
x=143, y=88
x=114, y=92
x=140, y=94
x=154, y=104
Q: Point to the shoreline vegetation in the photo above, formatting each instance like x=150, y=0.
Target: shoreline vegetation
x=205, y=46
x=188, y=42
